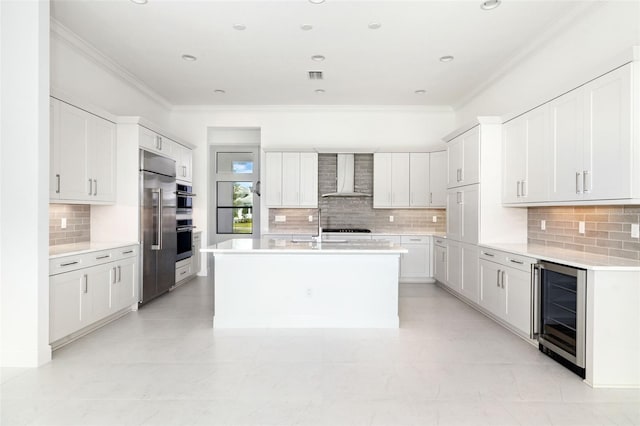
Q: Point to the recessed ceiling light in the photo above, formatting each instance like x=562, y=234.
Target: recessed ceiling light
x=319, y=91
x=374, y=25
x=490, y=4
x=219, y=91
x=139, y=1
x=316, y=1
x=306, y=27
x=239, y=27
x=447, y=58
x=420, y=92
x=318, y=58
x=189, y=58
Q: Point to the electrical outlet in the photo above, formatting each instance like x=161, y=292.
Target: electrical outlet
x=581, y=227
x=281, y=218
x=63, y=223
x=310, y=218
x=309, y=292
x=390, y=218
x=434, y=219
x=635, y=230
x=543, y=225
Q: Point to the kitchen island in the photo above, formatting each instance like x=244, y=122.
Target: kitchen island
x=262, y=283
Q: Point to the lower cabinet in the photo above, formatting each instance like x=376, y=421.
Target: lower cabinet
x=462, y=269
x=84, y=296
x=440, y=260
x=505, y=288
x=416, y=264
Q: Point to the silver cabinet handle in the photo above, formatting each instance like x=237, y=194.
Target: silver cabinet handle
x=69, y=263
x=533, y=326
x=458, y=174
x=518, y=189
x=502, y=279
x=443, y=258
x=584, y=181
x=127, y=252
x=57, y=183
x=523, y=190
x=488, y=254
x=95, y=187
x=498, y=279
x=158, y=142
x=184, y=171
x=119, y=273
x=90, y=187
x=516, y=261
x=415, y=239
x=577, y=182
x=113, y=277
x=86, y=283
x=103, y=257
x=431, y=198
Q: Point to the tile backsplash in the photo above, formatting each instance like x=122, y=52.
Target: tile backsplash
x=354, y=212
x=78, y=223
x=607, y=229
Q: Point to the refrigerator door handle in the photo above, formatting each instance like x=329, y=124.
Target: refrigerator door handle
x=158, y=231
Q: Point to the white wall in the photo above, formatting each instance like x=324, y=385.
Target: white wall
x=24, y=183
x=581, y=50
x=364, y=129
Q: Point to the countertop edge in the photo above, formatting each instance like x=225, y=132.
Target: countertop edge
x=93, y=247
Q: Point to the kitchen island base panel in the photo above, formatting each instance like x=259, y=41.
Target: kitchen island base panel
x=306, y=291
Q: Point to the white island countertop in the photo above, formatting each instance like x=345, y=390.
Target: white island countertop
x=573, y=258
x=275, y=246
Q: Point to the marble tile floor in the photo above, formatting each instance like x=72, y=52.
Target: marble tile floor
x=446, y=365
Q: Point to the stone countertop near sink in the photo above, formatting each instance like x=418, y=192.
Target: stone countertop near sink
x=573, y=258
x=85, y=247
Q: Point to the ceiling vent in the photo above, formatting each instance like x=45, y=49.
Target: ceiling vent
x=315, y=75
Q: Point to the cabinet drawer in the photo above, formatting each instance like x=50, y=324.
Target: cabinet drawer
x=491, y=255
x=124, y=252
x=519, y=262
x=415, y=239
x=438, y=241
x=183, y=272
x=395, y=239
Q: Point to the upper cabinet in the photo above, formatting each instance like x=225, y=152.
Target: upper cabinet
x=579, y=147
x=83, y=156
x=291, y=179
x=409, y=180
x=183, y=156
x=464, y=159
x=184, y=161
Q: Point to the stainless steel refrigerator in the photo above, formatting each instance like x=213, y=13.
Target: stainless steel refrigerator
x=157, y=224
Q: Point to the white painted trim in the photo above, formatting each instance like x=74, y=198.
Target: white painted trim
x=313, y=108
x=106, y=63
x=76, y=102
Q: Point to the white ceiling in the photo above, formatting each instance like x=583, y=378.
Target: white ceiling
x=267, y=63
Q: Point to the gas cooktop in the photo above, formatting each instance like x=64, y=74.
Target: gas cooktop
x=348, y=230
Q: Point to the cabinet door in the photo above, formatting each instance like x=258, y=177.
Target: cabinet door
x=568, y=133
x=470, y=213
x=440, y=263
x=514, y=150
x=290, y=179
x=124, y=289
x=184, y=159
x=99, y=282
x=438, y=179
x=608, y=142
x=149, y=140
x=490, y=291
x=535, y=187
x=382, y=180
x=54, y=149
x=400, y=180
x=72, y=145
x=66, y=304
x=308, y=179
x=102, y=158
x=454, y=266
x=454, y=162
x=454, y=214
x=471, y=157
x=516, y=297
x=415, y=263
x=196, y=260
x=470, y=287
x=419, y=179
x=273, y=179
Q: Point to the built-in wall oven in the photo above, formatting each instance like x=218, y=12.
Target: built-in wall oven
x=184, y=199
x=184, y=230
x=560, y=313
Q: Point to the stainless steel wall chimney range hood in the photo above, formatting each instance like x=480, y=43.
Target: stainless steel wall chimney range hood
x=346, y=178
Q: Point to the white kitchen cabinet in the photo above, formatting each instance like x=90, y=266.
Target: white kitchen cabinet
x=196, y=260
x=526, y=164
x=291, y=179
x=454, y=266
x=438, y=179
x=415, y=266
x=87, y=288
x=184, y=161
x=154, y=142
x=382, y=180
x=490, y=276
x=517, y=299
x=419, y=168
x=463, y=158
x=440, y=259
x=470, y=285
x=183, y=270
x=82, y=156
x=463, y=213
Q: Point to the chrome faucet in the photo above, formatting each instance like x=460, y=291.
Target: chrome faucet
x=318, y=238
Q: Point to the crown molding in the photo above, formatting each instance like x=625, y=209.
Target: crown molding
x=314, y=108
x=106, y=63
x=536, y=45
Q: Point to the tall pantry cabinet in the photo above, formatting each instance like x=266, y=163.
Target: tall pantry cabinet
x=474, y=207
